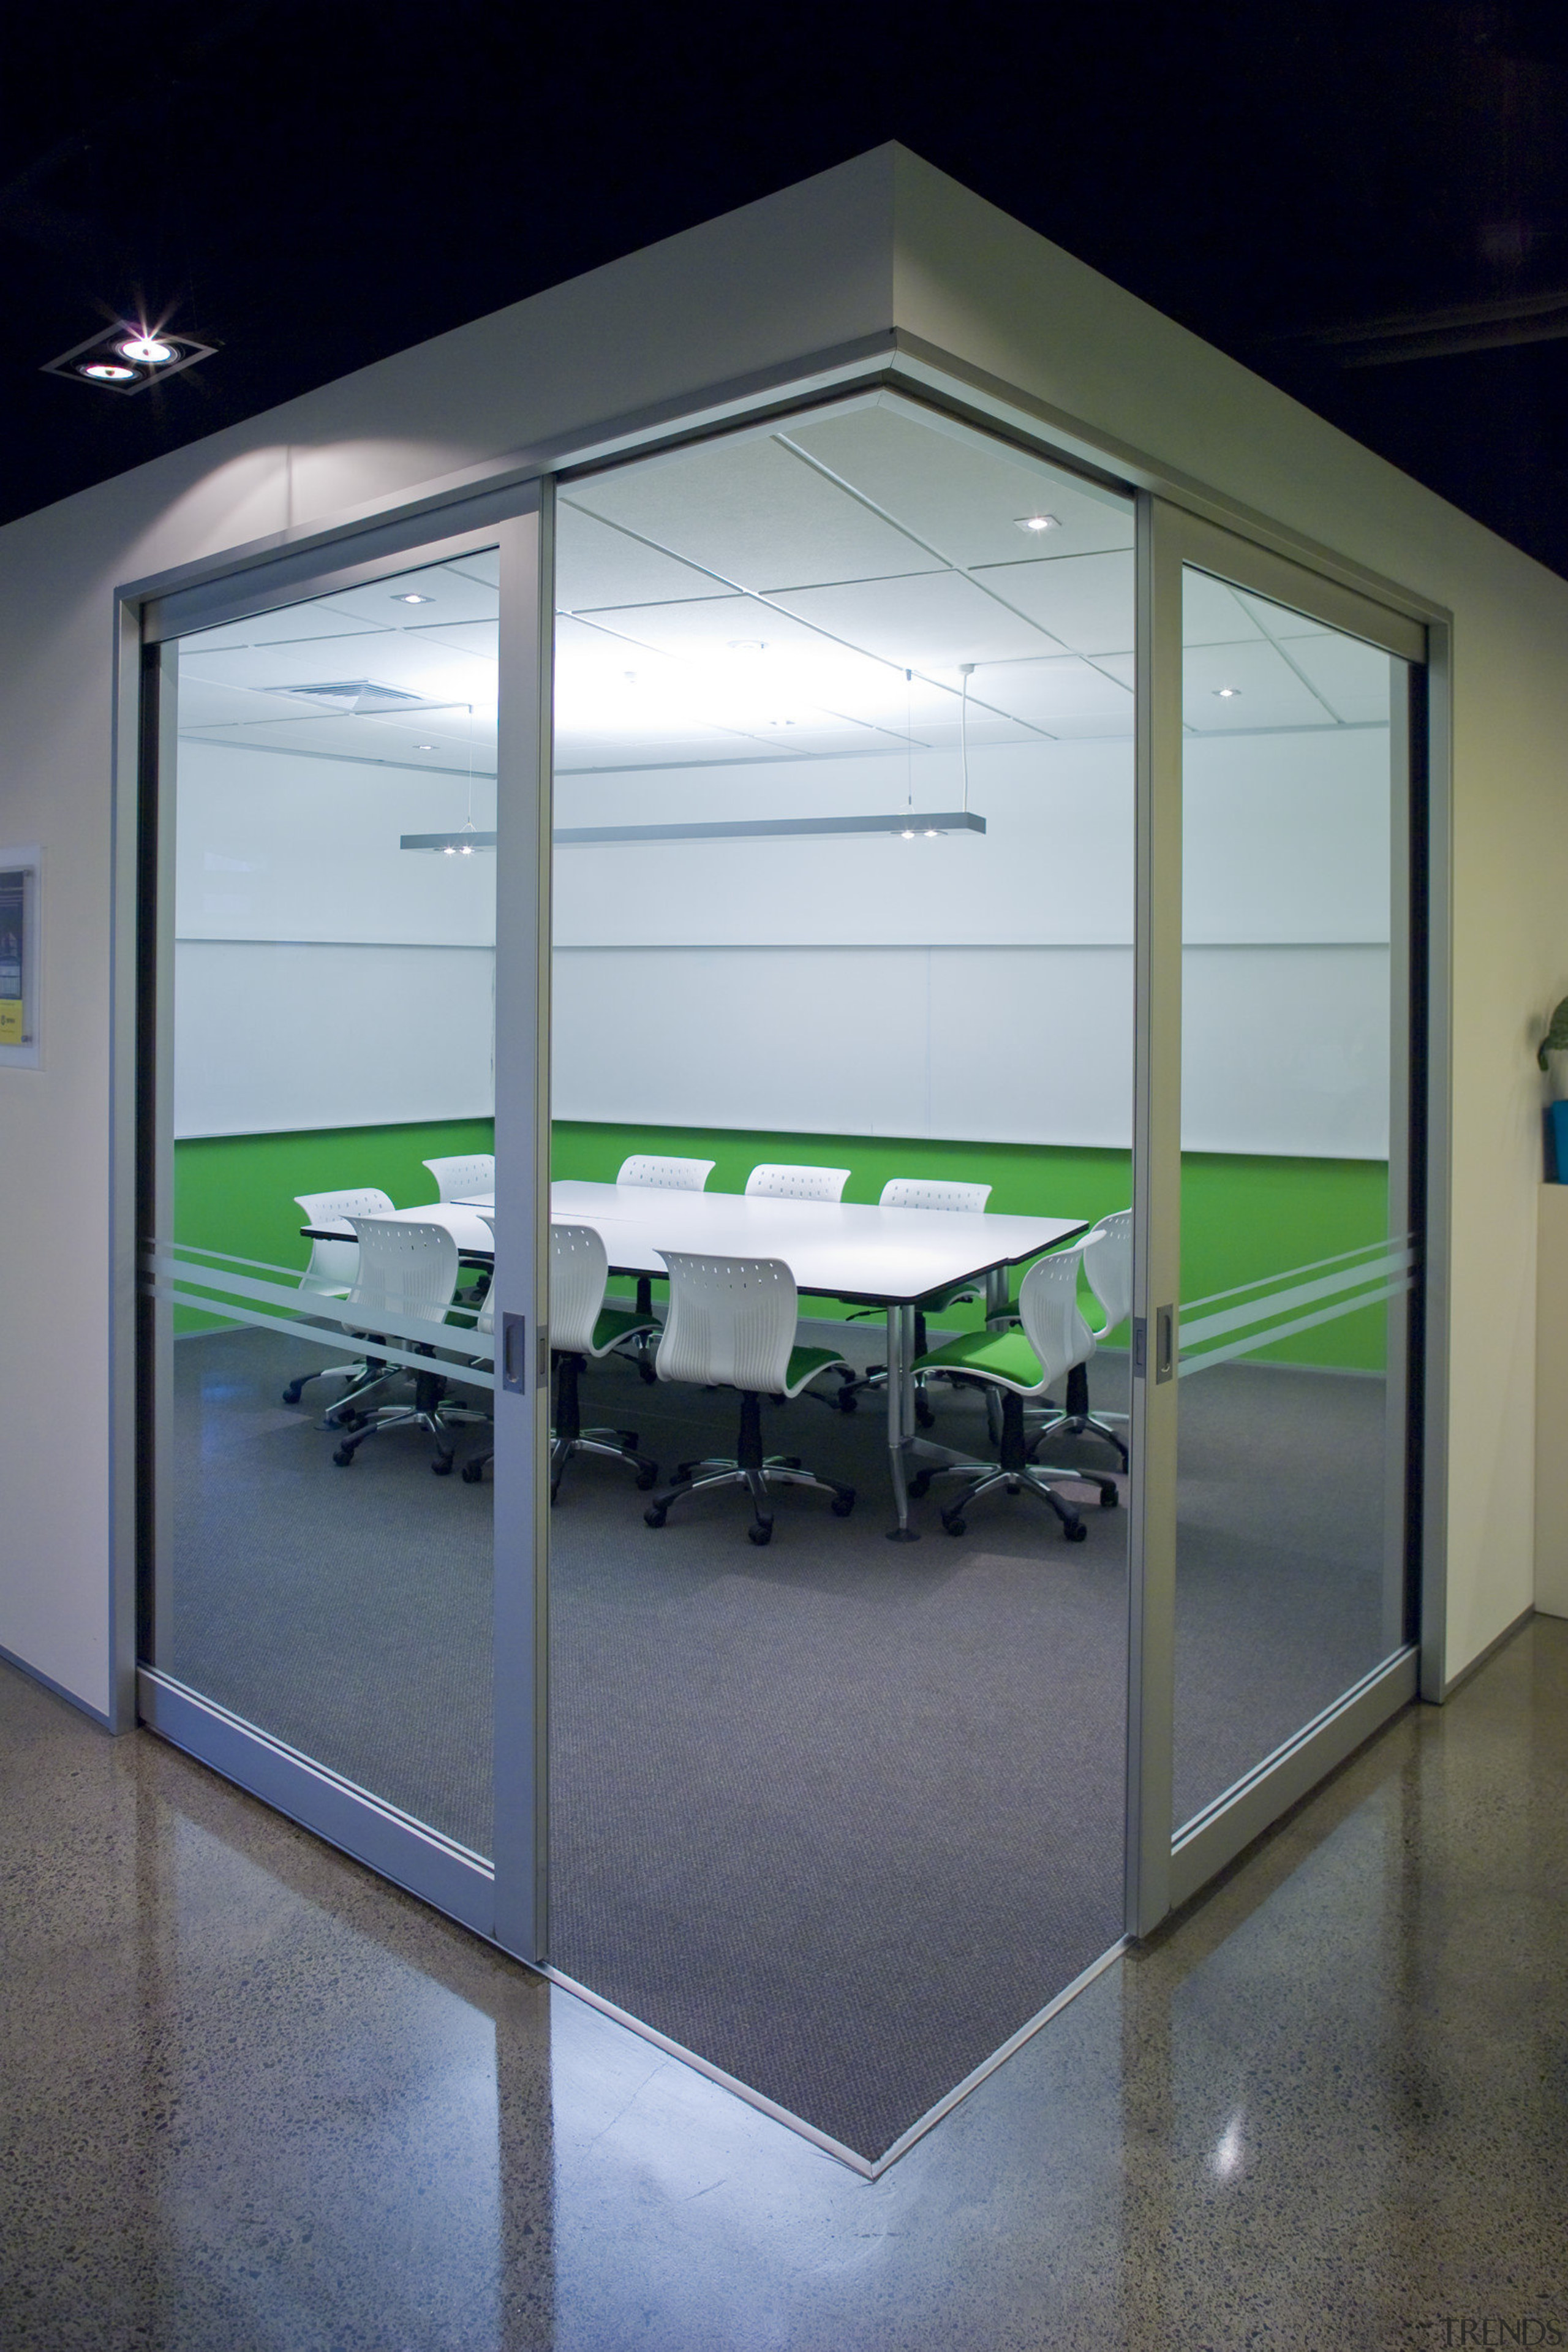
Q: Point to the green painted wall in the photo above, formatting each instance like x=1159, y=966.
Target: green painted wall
x=1243, y=1216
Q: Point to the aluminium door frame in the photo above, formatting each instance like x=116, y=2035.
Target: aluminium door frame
x=1164, y=1872
x=498, y=1896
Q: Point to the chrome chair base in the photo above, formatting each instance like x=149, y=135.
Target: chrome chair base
x=750, y=1469
x=1013, y=1471
x=432, y=1410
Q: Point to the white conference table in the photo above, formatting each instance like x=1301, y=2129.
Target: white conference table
x=890, y=1258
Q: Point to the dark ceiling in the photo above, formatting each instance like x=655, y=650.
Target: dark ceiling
x=1367, y=204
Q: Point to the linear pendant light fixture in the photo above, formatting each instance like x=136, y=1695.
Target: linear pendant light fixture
x=910, y=825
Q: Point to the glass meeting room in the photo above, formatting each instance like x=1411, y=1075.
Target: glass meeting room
x=842, y=1113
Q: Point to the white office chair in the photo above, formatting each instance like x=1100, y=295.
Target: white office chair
x=664, y=1174
x=581, y=1330
x=732, y=1324
x=457, y=1179
x=408, y=1270
x=936, y=1194
x=1021, y=1363
x=1108, y=1268
x=331, y=1273
x=780, y=1181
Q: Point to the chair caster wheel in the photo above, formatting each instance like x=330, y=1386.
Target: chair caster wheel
x=953, y=1524
x=293, y=1392
x=472, y=1473
x=759, y=1535
x=647, y=1480
x=653, y=1517
x=442, y=1466
x=343, y=1456
x=647, y=1373
x=1109, y=1498
x=847, y=1400
x=1076, y=1532
x=925, y=1417
x=842, y=1505
x=920, y=1486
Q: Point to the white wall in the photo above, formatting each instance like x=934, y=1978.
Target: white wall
x=980, y=987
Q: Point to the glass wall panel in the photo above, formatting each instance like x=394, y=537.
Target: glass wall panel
x=1296, y=1240
x=331, y=800
x=843, y=889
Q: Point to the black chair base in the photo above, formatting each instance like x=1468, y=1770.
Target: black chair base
x=751, y=1468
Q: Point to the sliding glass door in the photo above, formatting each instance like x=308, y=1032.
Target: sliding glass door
x=1286, y=1129
x=325, y=1037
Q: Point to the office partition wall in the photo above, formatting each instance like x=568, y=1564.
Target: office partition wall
x=323, y=1039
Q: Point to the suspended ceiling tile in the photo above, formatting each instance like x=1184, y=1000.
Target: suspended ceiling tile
x=447, y=591
x=963, y=492
x=295, y=625
x=1087, y=602
x=1046, y=692
x=1266, y=691
x=1356, y=679
x=597, y=565
x=1278, y=620
x=1213, y=613
x=749, y=510
x=932, y=621
x=480, y=639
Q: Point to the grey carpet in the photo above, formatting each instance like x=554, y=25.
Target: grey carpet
x=838, y=1814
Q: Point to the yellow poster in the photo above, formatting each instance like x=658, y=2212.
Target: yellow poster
x=10, y=1020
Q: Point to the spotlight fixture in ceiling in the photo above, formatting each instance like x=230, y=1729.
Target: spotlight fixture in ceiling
x=1228, y=693
x=126, y=359
x=411, y=596
x=1036, y=523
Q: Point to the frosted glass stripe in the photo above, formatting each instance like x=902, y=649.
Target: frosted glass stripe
x=457, y=1368
x=1255, y=1339
x=1280, y=1302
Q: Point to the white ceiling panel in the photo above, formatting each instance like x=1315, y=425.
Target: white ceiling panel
x=480, y=639
x=1048, y=693
x=295, y=625
x=750, y=510
x=933, y=621
x=1278, y=620
x=1354, y=678
x=1265, y=689
x=964, y=493
x=1086, y=601
x=1212, y=613
x=596, y=564
x=447, y=594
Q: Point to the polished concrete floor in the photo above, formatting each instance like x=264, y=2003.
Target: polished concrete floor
x=251, y=2098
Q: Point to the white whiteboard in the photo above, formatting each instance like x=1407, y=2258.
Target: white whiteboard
x=271, y=1036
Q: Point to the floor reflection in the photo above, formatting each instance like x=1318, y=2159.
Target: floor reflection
x=257, y=2098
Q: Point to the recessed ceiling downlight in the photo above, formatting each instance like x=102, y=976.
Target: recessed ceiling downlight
x=126, y=358
x=1035, y=524
x=148, y=350
x=107, y=371
x=1228, y=693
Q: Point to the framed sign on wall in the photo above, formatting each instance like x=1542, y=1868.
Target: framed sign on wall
x=19, y=896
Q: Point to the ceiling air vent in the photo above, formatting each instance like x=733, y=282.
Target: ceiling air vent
x=355, y=694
